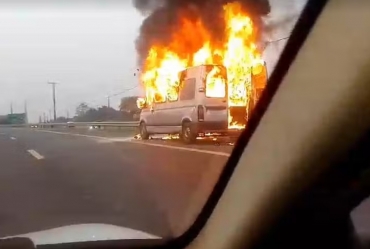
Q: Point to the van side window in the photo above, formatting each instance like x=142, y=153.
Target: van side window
x=187, y=91
x=173, y=93
x=158, y=98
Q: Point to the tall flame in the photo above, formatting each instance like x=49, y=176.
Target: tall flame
x=238, y=54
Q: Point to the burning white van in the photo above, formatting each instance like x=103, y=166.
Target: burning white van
x=198, y=104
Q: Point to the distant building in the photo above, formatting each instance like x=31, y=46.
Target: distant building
x=16, y=118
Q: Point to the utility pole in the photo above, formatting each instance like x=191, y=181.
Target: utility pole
x=11, y=107
x=44, y=117
x=67, y=115
x=54, y=100
x=108, y=101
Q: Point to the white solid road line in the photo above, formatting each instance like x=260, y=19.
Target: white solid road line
x=131, y=140
x=114, y=139
x=218, y=153
x=75, y=134
x=35, y=154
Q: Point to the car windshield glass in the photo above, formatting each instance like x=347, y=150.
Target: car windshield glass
x=118, y=116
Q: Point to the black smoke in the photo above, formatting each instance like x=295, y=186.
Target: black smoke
x=163, y=17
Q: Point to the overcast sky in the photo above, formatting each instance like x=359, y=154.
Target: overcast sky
x=85, y=46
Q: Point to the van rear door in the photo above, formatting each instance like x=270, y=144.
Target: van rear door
x=215, y=96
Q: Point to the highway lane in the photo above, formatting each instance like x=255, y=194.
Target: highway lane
x=105, y=132
x=91, y=180
x=360, y=216
x=222, y=145
x=155, y=189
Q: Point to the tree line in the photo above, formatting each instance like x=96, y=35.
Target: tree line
x=128, y=111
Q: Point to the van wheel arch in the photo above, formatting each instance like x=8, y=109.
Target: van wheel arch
x=185, y=120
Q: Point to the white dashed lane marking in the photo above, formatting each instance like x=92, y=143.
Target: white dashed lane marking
x=35, y=154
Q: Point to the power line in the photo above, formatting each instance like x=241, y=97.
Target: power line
x=284, y=38
x=126, y=90
x=114, y=94
x=90, y=103
x=266, y=43
x=280, y=39
x=119, y=93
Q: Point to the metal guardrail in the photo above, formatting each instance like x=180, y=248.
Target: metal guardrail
x=74, y=124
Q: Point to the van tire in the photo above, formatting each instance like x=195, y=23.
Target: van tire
x=143, y=132
x=187, y=134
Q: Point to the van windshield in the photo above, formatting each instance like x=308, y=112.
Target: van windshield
x=215, y=81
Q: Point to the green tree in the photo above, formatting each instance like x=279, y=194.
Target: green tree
x=82, y=109
x=128, y=105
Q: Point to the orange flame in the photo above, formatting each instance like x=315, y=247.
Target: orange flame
x=238, y=54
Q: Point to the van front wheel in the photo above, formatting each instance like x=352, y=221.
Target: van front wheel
x=188, y=135
x=143, y=132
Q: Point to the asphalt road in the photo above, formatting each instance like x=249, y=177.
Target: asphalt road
x=51, y=178
x=58, y=177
